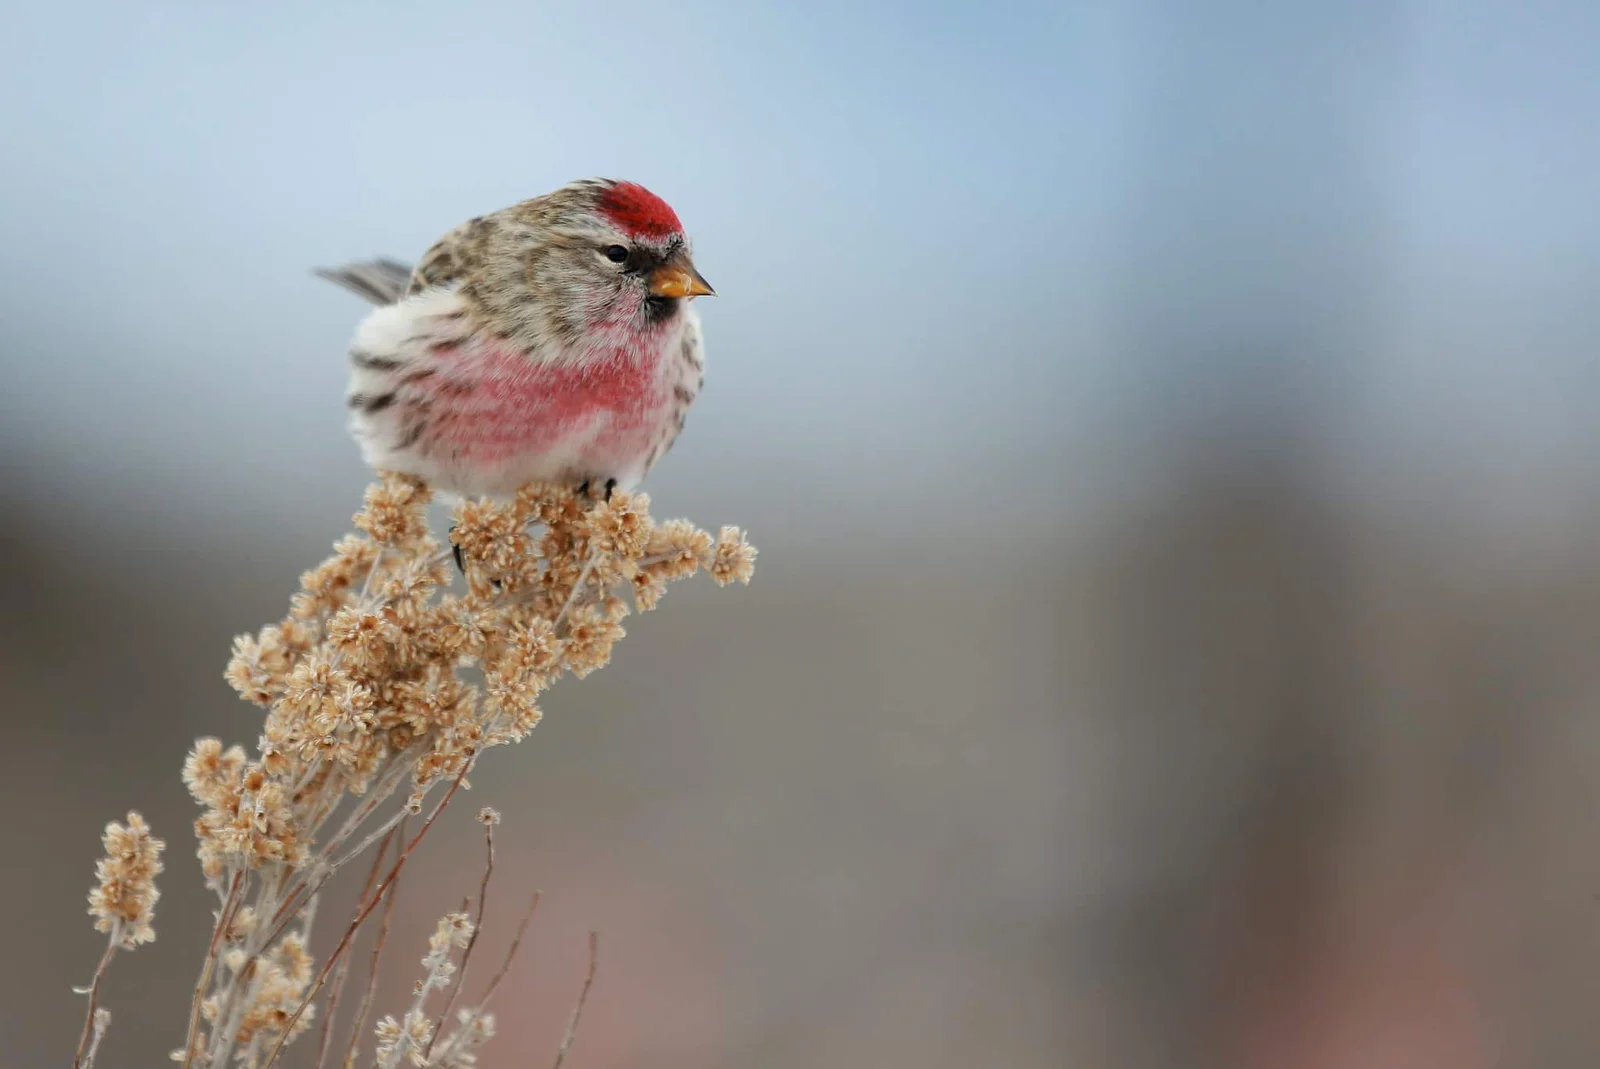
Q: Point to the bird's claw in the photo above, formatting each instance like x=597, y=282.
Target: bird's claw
x=455, y=551
x=584, y=489
x=461, y=563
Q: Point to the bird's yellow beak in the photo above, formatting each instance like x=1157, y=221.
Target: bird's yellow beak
x=678, y=278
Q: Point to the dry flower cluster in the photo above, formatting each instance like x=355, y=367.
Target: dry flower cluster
x=364, y=690
x=123, y=904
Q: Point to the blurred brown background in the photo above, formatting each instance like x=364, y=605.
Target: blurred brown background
x=1170, y=431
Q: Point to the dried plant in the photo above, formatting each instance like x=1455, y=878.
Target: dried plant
x=382, y=677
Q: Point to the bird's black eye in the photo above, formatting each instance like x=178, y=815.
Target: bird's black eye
x=617, y=254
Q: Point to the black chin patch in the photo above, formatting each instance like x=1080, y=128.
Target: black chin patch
x=660, y=309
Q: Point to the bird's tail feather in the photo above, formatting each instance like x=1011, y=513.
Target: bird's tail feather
x=379, y=281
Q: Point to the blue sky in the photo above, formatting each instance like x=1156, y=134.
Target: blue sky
x=956, y=245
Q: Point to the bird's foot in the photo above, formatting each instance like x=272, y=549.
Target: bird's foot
x=592, y=496
x=461, y=563
x=455, y=551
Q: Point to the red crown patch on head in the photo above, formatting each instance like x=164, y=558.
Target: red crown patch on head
x=638, y=211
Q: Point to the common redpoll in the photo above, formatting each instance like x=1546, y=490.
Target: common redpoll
x=551, y=341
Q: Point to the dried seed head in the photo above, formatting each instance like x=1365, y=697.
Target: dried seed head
x=362, y=682
x=124, y=899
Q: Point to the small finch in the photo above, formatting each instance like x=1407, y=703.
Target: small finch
x=550, y=341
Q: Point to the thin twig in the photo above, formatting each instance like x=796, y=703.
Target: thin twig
x=583, y=996
x=399, y=764
x=494, y=984
x=472, y=940
x=371, y=992
x=583, y=577
x=366, y=910
x=308, y=915
x=380, y=832
x=313, y=767
x=344, y=966
x=372, y=571
x=230, y=908
x=242, y=990
x=319, y=865
x=511, y=952
x=662, y=558
x=93, y=991
x=102, y=1021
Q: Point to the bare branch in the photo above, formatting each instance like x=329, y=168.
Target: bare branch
x=360, y=1024
x=102, y=1021
x=583, y=996
x=82, y=1058
x=472, y=940
x=344, y=965
x=400, y=764
x=577, y=588
x=380, y=832
x=511, y=952
x=230, y=909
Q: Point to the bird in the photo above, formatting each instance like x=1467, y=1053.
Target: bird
x=551, y=341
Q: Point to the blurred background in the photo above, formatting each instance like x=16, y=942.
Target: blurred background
x=1171, y=434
